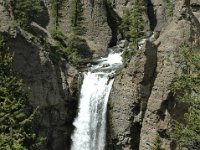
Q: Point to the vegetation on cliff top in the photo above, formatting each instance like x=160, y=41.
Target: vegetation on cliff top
x=133, y=25
x=76, y=16
x=55, y=11
x=66, y=47
x=186, y=88
x=16, y=117
x=169, y=10
x=24, y=11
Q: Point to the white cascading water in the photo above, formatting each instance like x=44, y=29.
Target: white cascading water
x=90, y=124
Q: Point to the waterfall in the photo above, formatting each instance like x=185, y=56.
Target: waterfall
x=90, y=124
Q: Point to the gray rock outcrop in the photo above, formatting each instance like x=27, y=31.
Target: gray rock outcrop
x=97, y=33
x=141, y=105
x=52, y=85
x=51, y=89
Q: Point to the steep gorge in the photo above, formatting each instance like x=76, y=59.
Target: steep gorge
x=52, y=84
x=140, y=105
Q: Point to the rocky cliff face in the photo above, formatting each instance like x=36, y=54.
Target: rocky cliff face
x=50, y=88
x=97, y=33
x=141, y=105
x=128, y=99
x=52, y=85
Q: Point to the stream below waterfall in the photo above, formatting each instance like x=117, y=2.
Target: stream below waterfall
x=90, y=124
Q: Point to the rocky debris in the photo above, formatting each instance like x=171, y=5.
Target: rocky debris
x=121, y=43
x=195, y=5
x=111, y=75
x=150, y=38
x=89, y=65
x=105, y=65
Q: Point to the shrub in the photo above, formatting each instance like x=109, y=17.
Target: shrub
x=133, y=23
x=26, y=11
x=16, y=117
x=186, y=87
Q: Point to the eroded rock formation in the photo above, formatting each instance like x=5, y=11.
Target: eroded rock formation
x=141, y=105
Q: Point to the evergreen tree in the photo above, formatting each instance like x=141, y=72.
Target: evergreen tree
x=56, y=5
x=15, y=117
x=77, y=17
x=170, y=8
x=186, y=88
x=133, y=23
x=26, y=11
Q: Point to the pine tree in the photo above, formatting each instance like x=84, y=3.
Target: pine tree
x=76, y=13
x=15, y=116
x=26, y=11
x=133, y=23
x=186, y=88
x=56, y=5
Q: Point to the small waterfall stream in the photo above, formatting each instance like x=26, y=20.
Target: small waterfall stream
x=90, y=124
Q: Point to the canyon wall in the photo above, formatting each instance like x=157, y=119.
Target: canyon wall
x=141, y=105
x=52, y=85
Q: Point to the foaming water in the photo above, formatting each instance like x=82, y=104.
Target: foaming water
x=90, y=124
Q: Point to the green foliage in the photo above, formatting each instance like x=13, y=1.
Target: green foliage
x=76, y=15
x=59, y=36
x=15, y=117
x=55, y=10
x=186, y=88
x=127, y=55
x=72, y=51
x=188, y=135
x=5, y=58
x=158, y=144
x=75, y=9
x=119, y=71
x=126, y=20
x=170, y=8
x=133, y=23
x=26, y=11
x=66, y=47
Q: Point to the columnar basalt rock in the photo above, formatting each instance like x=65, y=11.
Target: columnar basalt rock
x=128, y=99
x=139, y=113
x=155, y=114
